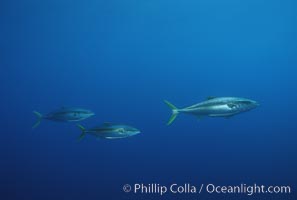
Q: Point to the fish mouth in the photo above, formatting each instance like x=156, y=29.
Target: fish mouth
x=256, y=103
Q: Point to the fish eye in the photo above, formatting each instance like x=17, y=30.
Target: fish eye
x=231, y=105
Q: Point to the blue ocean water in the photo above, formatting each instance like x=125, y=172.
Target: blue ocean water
x=121, y=59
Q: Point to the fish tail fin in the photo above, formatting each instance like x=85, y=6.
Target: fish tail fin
x=39, y=118
x=83, y=132
x=174, y=112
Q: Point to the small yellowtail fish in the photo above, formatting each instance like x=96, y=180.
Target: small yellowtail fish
x=109, y=131
x=214, y=107
x=64, y=115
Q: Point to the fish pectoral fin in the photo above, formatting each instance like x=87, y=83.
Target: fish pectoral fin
x=121, y=130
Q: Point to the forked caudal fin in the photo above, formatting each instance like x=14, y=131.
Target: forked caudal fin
x=174, y=112
x=39, y=118
x=83, y=134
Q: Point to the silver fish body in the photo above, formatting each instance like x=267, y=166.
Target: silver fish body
x=109, y=131
x=215, y=107
x=70, y=114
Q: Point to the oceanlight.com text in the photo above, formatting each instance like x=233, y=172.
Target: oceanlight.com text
x=187, y=188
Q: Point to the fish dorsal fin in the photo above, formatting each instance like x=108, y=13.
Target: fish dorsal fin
x=211, y=97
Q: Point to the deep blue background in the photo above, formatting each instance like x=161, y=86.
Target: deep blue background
x=121, y=59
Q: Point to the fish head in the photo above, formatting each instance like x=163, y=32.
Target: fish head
x=89, y=113
x=84, y=114
x=128, y=130
x=243, y=105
